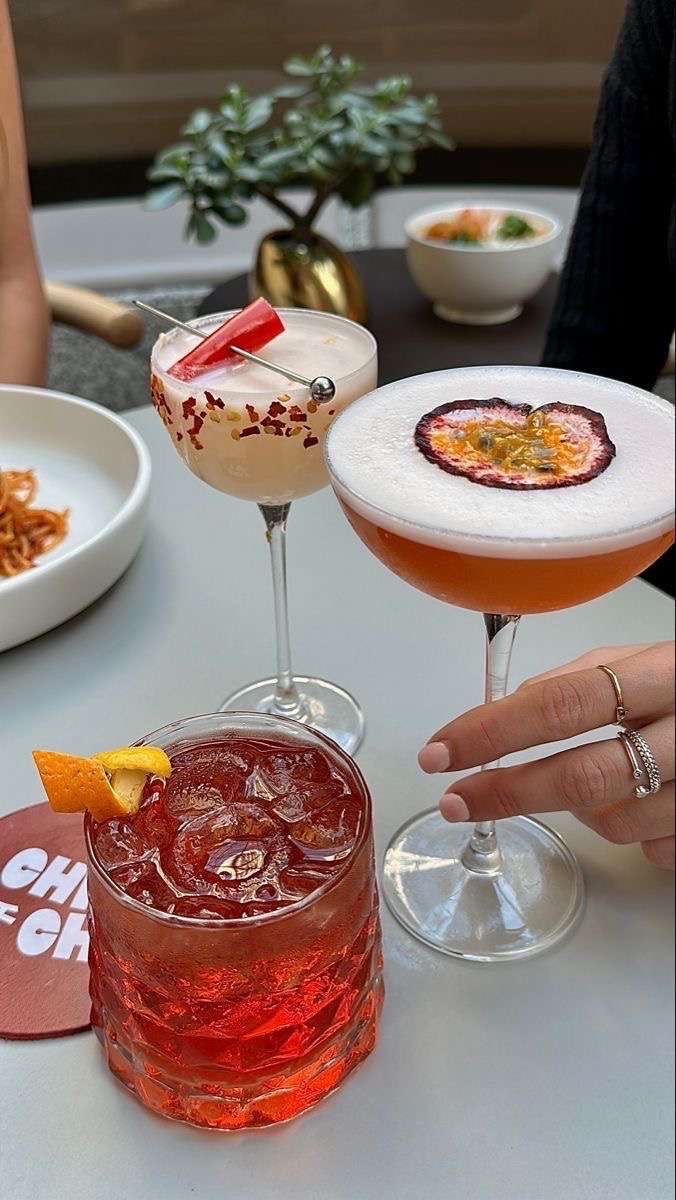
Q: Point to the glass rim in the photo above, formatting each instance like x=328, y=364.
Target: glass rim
x=660, y=523
x=232, y=923
x=289, y=385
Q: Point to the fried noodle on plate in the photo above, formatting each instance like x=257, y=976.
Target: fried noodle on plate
x=25, y=532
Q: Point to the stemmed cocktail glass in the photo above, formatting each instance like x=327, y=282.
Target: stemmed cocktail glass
x=246, y=431
x=498, y=894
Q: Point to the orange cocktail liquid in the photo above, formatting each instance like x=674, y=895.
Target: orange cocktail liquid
x=506, y=585
x=269, y=995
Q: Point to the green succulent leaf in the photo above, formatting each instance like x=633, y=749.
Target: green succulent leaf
x=357, y=188
x=198, y=122
x=164, y=197
x=299, y=66
x=201, y=227
x=249, y=172
x=404, y=163
x=163, y=171
x=258, y=113
x=176, y=154
x=232, y=213
x=436, y=138
x=278, y=159
x=290, y=91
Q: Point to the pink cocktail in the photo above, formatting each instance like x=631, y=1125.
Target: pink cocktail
x=236, y=968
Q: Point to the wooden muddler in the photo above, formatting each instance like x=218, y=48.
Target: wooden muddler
x=116, y=323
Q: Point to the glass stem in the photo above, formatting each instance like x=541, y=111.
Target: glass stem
x=482, y=854
x=287, y=701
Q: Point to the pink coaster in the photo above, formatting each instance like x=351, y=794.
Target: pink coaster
x=44, y=976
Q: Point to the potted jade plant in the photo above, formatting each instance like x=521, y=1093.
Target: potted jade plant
x=322, y=132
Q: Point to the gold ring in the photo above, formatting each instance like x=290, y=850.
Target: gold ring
x=621, y=714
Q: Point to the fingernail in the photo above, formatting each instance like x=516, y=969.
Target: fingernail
x=453, y=807
x=434, y=757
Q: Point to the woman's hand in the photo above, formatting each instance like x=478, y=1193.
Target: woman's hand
x=593, y=781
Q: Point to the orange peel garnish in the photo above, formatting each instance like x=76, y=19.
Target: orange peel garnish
x=74, y=784
x=109, y=788
x=149, y=759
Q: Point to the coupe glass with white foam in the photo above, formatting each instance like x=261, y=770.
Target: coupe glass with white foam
x=498, y=894
x=244, y=430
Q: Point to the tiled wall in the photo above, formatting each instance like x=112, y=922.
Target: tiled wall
x=114, y=78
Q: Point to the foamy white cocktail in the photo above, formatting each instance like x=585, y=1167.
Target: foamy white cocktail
x=496, y=549
x=247, y=431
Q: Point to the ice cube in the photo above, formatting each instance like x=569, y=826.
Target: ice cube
x=200, y=787
x=145, y=881
x=300, y=801
x=295, y=883
x=129, y=874
x=119, y=843
x=329, y=833
x=260, y=785
x=213, y=853
x=236, y=759
x=295, y=783
x=300, y=766
x=152, y=824
x=236, y=860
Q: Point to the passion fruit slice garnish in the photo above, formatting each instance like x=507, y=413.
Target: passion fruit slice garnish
x=108, y=785
x=504, y=445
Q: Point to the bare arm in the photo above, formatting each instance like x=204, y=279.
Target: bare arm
x=24, y=320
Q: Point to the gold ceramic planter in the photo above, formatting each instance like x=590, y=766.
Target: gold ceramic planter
x=305, y=270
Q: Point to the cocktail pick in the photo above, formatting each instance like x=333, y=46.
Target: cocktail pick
x=322, y=389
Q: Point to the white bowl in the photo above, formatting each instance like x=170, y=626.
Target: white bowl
x=480, y=284
x=87, y=460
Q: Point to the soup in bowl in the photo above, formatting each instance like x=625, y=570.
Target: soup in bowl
x=479, y=264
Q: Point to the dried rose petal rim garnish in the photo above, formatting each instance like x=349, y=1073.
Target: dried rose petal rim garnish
x=251, y=329
x=504, y=445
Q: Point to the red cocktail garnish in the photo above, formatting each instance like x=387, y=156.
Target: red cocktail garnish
x=251, y=329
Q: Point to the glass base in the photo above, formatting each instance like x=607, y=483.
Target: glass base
x=525, y=907
x=325, y=707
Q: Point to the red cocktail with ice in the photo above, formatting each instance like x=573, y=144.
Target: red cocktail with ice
x=235, y=939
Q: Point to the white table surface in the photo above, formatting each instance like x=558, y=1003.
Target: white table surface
x=535, y=1081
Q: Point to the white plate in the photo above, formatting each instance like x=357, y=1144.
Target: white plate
x=87, y=460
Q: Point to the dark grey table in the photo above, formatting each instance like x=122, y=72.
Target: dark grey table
x=410, y=338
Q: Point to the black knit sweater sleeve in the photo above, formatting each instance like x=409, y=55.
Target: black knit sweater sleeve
x=614, y=314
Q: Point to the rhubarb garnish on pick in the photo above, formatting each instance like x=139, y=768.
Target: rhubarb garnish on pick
x=108, y=785
x=250, y=329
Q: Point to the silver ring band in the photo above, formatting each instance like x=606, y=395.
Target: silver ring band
x=643, y=763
